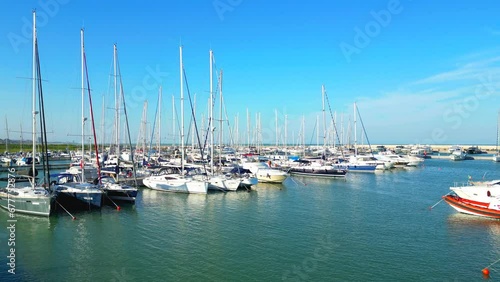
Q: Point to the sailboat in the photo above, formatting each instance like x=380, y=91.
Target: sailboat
x=113, y=187
x=364, y=163
x=317, y=168
x=74, y=191
x=33, y=199
x=178, y=182
x=496, y=156
x=218, y=181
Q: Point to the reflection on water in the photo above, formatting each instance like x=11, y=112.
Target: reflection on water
x=464, y=223
x=379, y=222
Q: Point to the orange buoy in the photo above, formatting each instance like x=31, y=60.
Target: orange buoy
x=486, y=271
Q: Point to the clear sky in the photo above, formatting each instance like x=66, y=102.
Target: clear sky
x=421, y=71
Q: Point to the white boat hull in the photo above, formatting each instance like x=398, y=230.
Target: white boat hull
x=175, y=183
x=271, y=176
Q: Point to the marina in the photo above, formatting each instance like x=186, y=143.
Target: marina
x=250, y=141
x=369, y=227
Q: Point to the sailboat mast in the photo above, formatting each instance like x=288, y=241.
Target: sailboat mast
x=317, y=131
x=211, y=112
x=103, y=133
x=82, y=162
x=355, y=133
x=324, y=115
x=498, y=124
x=334, y=121
x=286, y=132
x=192, y=123
x=220, y=120
x=7, y=131
x=181, y=67
x=221, y=131
x=117, y=105
x=303, y=135
x=173, y=121
x=34, y=100
x=276, y=123
x=248, y=128
x=159, y=122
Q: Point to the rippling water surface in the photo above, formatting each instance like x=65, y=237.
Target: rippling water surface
x=371, y=227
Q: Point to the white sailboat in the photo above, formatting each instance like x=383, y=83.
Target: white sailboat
x=114, y=187
x=78, y=193
x=33, y=199
x=178, y=182
x=218, y=181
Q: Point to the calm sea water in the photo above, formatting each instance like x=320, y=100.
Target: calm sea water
x=367, y=228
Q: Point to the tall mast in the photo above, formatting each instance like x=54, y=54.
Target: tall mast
x=498, y=124
x=103, y=133
x=259, y=133
x=192, y=123
x=7, y=130
x=286, y=130
x=117, y=104
x=173, y=121
x=355, y=133
x=159, y=122
x=82, y=164
x=181, y=67
x=342, y=136
x=34, y=100
x=237, y=130
x=220, y=120
x=334, y=122
x=21, y=137
x=317, y=131
x=248, y=128
x=211, y=112
x=324, y=116
x=303, y=134
x=276, y=121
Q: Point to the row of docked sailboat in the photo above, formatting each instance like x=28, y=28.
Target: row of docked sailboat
x=65, y=188
x=198, y=183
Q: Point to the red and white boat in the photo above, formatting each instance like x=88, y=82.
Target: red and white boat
x=476, y=198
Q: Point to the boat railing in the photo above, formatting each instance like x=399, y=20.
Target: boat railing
x=458, y=184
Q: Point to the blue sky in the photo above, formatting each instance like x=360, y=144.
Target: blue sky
x=420, y=71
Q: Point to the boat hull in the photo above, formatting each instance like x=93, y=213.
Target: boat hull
x=248, y=182
x=128, y=195
x=168, y=183
x=80, y=199
x=318, y=172
x=39, y=206
x=217, y=183
x=271, y=177
x=468, y=207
